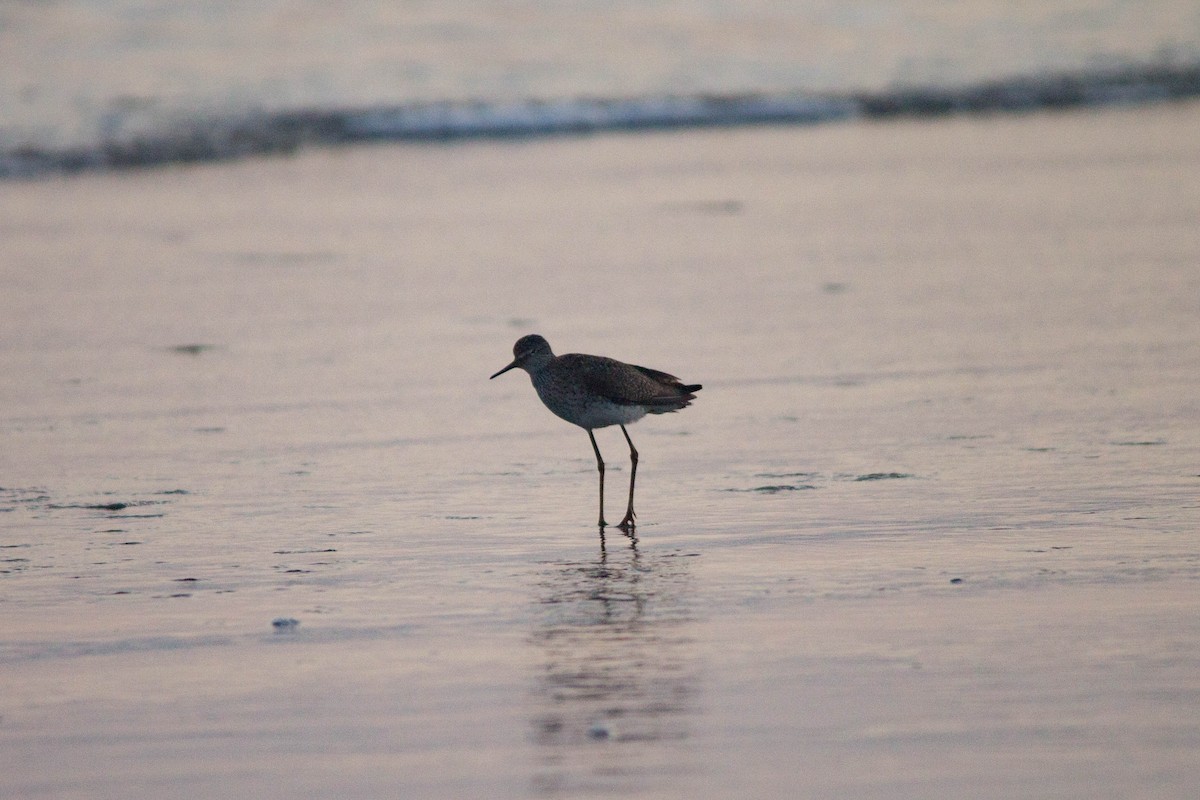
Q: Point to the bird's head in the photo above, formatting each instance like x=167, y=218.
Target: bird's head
x=529, y=353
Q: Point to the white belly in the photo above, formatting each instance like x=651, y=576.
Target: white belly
x=585, y=410
x=600, y=414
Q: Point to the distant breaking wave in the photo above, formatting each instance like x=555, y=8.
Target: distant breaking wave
x=220, y=138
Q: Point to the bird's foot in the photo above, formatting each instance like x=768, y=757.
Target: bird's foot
x=628, y=523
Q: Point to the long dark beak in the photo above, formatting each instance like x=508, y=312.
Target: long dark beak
x=506, y=369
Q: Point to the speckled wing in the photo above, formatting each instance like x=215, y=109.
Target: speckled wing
x=658, y=392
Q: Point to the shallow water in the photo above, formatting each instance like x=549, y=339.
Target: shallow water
x=929, y=527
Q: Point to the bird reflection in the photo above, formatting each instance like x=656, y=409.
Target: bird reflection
x=618, y=673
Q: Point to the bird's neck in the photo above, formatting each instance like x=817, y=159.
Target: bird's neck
x=536, y=363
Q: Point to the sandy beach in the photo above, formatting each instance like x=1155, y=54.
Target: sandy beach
x=929, y=529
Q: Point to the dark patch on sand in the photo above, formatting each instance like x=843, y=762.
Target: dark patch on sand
x=191, y=349
x=882, y=476
x=776, y=488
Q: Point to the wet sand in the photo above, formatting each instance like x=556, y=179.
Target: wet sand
x=929, y=530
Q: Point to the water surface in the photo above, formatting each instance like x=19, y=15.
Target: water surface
x=932, y=515
x=90, y=84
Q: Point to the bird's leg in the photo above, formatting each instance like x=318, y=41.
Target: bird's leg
x=600, y=467
x=627, y=523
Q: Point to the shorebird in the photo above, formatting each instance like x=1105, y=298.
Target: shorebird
x=595, y=392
